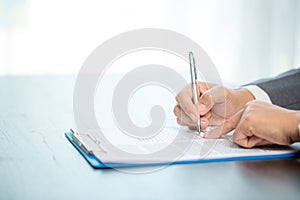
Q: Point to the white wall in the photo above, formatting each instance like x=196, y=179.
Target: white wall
x=246, y=39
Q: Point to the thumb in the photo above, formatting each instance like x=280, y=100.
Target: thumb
x=209, y=98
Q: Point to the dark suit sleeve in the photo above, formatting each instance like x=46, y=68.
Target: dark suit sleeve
x=283, y=90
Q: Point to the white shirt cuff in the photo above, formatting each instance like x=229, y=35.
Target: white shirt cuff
x=258, y=93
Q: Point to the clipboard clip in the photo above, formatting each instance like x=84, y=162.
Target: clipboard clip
x=88, y=142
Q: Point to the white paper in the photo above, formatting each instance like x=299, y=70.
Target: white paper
x=170, y=145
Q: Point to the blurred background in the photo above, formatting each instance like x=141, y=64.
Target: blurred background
x=246, y=39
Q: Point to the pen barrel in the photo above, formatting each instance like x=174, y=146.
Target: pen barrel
x=193, y=76
x=195, y=93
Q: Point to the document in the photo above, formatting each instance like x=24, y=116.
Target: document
x=172, y=144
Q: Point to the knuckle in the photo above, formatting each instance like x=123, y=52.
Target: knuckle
x=250, y=130
x=176, y=110
x=179, y=121
x=177, y=98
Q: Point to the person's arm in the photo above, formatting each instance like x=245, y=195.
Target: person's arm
x=282, y=90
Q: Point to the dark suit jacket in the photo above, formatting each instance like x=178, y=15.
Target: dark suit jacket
x=283, y=90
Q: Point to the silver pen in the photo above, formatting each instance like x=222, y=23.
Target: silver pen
x=194, y=85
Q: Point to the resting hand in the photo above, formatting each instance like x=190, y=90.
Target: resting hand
x=261, y=124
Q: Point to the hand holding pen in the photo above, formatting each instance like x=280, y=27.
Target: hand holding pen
x=202, y=104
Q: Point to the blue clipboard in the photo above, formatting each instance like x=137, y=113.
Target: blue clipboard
x=97, y=164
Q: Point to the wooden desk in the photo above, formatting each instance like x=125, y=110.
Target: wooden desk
x=38, y=162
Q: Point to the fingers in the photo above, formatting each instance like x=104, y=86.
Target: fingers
x=204, y=124
x=182, y=117
x=184, y=120
x=188, y=114
x=227, y=126
x=249, y=141
x=245, y=141
x=205, y=103
x=245, y=136
x=193, y=128
x=184, y=99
